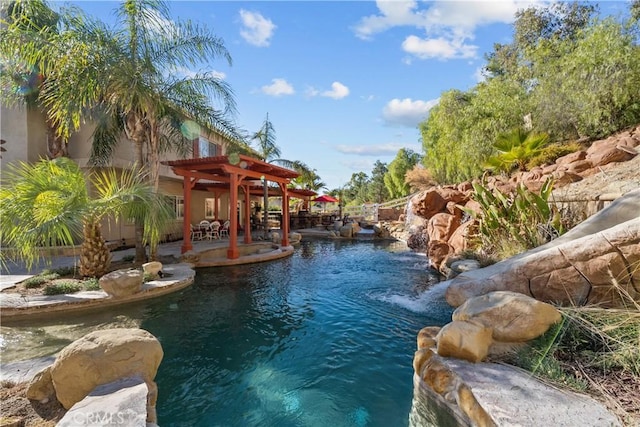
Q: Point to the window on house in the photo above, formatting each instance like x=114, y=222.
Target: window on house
x=209, y=208
x=178, y=206
x=207, y=149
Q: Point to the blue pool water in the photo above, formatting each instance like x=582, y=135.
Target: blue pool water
x=323, y=338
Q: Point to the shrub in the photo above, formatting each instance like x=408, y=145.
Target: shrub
x=66, y=287
x=552, y=152
x=128, y=258
x=34, y=282
x=512, y=223
x=91, y=284
x=40, y=279
x=419, y=178
x=65, y=271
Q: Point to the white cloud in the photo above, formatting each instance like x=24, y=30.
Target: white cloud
x=338, y=91
x=388, y=149
x=407, y=112
x=439, y=48
x=447, y=25
x=278, y=87
x=257, y=30
x=478, y=75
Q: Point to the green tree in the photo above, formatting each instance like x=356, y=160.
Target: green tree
x=31, y=21
x=515, y=149
x=48, y=203
x=309, y=181
x=635, y=10
x=394, y=179
x=355, y=191
x=583, y=94
x=376, y=189
x=443, y=133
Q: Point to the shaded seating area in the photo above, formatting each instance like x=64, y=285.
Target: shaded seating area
x=240, y=176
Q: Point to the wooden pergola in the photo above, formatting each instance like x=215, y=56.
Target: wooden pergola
x=221, y=174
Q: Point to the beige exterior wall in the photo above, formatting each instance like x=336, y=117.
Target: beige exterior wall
x=26, y=133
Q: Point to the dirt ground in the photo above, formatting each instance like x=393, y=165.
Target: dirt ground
x=15, y=405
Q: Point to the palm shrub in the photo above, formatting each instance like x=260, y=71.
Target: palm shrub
x=512, y=223
x=49, y=204
x=515, y=149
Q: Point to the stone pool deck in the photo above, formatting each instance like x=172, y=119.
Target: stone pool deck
x=205, y=253
x=14, y=306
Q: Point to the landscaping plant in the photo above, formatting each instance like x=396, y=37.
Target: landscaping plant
x=48, y=203
x=512, y=223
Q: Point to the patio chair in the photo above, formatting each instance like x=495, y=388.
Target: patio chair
x=224, y=231
x=212, y=232
x=196, y=233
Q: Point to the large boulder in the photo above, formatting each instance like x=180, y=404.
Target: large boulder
x=428, y=203
x=618, y=153
x=513, y=317
x=152, y=269
x=441, y=226
x=350, y=229
x=437, y=252
x=102, y=357
x=464, y=340
x=40, y=387
x=122, y=283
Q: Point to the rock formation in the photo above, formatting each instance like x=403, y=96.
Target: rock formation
x=441, y=229
x=98, y=358
x=122, y=283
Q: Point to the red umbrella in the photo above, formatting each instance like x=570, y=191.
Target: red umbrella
x=325, y=199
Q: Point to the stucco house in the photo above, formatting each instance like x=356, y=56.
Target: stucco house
x=25, y=135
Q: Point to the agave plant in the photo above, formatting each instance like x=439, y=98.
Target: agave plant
x=49, y=203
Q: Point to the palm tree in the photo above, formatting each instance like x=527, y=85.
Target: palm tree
x=124, y=78
x=269, y=152
x=30, y=22
x=516, y=148
x=48, y=204
x=309, y=181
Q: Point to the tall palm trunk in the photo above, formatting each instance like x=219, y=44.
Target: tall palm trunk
x=56, y=146
x=95, y=257
x=154, y=171
x=135, y=130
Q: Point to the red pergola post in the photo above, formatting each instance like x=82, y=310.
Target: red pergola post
x=232, y=251
x=285, y=215
x=247, y=215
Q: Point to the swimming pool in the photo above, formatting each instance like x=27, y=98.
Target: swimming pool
x=323, y=338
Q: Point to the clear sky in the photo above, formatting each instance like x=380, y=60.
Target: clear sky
x=345, y=83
